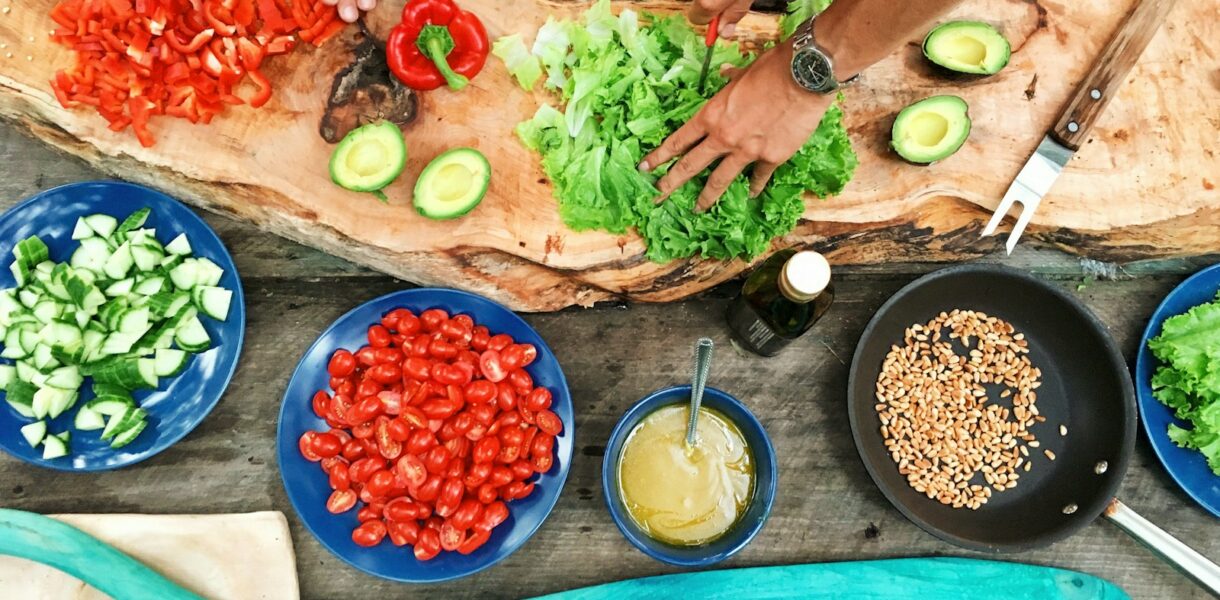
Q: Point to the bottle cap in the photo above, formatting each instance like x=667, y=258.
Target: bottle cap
x=805, y=275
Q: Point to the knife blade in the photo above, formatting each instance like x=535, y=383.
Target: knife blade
x=709, y=40
x=1072, y=128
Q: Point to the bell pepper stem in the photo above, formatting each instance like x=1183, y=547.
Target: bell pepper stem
x=436, y=43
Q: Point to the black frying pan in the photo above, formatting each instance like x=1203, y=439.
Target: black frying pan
x=1086, y=386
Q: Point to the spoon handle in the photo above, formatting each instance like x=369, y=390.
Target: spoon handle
x=703, y=363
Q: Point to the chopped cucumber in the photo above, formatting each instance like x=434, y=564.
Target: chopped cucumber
x=146, y=258
x=121, y=287
x=150, y=286
x=134, y=221
x=88, y=419
x=179, y=245
x=119, y=263
x=185, y=275
x=130, y=419
x=66, y=378
x=213, y=301
x=192, y=337
x=109, y=406
x=102, y=225
x=82, y=230
x=91, y=255
x=170, y=362
x=129, y=435
x=54, y=447
x=8, y=374
x=34, y=433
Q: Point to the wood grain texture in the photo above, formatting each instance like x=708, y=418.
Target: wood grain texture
x=827, y=508
x=1145, y=186
x=1101, y=83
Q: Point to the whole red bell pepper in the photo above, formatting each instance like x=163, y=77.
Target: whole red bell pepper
x=436, y=44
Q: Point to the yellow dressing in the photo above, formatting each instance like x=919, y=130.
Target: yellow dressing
x=685, y=496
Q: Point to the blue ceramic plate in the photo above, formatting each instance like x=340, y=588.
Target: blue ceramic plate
x=1187, y=467
x=182, y=402
x=308, y=487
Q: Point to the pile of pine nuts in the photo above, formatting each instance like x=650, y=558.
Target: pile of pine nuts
x=949, y=441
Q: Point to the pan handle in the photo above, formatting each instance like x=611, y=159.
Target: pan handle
x=1171, y=550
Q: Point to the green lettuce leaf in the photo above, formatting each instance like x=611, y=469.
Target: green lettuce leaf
x=1188, y=381
x=524, y=66
x=800, y=11
x=625, y=83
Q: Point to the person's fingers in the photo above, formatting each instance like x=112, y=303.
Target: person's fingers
x=366, y=5
x=677, y=143
x=330, y=2
x=719, y=181
x=761, y=176
x=690, y=165
x=348, y=11
x=732, y=15
x=702, y=11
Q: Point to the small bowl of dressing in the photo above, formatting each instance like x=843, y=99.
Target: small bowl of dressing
x=690, y=507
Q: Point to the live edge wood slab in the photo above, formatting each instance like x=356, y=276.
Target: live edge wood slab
x=1143, y=186
x=827, y=508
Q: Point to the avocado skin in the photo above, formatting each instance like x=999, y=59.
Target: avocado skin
x=992, y=39
x=423, y=198
x=389, y=132
x=952, y=108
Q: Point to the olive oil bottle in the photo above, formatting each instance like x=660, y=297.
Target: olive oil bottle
x=780, y=301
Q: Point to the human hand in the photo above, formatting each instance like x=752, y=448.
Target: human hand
x=702, y=12
x=349, y=10
x=762, y=117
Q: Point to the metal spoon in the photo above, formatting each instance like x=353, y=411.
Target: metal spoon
x=703, y=362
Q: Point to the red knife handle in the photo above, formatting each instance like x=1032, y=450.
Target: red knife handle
x=1101, y=84
x=713, y=32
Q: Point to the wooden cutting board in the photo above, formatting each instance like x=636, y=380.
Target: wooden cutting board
x=245, y=556
x=1144, y=186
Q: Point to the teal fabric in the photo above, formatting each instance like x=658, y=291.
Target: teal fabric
x=50, y=542
x=896, y=579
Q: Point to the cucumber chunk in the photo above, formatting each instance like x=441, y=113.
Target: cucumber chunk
x=88, y=419
x=82, y=230
x=170, y=362
x=192, y=337
x=129, y=435
x=91, y=255
x=53, y=447
x=102, y=225
x=121, y=287
x=119, y=263
x=134, y=221
x=179, y=245
x=34, y=433
x=214, y=301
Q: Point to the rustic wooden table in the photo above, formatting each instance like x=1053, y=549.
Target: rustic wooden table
x=827, y=509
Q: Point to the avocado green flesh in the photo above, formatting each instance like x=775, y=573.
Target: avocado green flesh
x=967, y=47
x=369, y=158
x=931, y=129
x=452, y=184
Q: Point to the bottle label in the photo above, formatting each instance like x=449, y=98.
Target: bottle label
x=753, y=332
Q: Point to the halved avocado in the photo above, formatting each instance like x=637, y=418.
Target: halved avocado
x=967, y=47
x=369, y=158
x=452, y=184
x=931, y=129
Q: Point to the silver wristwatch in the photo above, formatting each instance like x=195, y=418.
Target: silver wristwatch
x=812, y=67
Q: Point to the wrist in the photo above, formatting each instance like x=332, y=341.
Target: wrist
x=792, y=91
x=847, y=59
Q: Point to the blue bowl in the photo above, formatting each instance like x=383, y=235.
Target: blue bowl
x=308, y=487
x=765, y=479
x=1187, y=467
x=182, y=402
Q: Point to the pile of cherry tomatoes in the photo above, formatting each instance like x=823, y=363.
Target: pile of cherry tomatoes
x=435, y=426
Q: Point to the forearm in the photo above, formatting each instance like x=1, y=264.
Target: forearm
x=858, y=33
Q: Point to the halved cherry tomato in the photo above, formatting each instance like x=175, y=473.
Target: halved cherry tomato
x=380, y=483
x=494, y=514
x=412, y=470
x=321, y=404
x=326, y=445
x=403, y=533
x=521, y=380
x=499, y=342
x=390, y=448
x=512, y=357
x=428, y=545
x=477, y=474
x=549, y=422
x=342, y=363
x=369, y=533
x=477, y=538
x=306, y=446
x=432, y=319
x=538, y=399
x=487, y=493
x=491, y=367
x=339, y=479
x=341, y=501
x=452, y=537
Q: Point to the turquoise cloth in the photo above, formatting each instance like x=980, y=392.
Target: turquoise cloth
x=896, y=579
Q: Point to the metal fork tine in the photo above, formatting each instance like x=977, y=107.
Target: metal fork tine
x=1027, y=213
x=998, y=216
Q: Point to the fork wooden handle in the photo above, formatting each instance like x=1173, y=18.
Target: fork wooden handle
x=1101, y=84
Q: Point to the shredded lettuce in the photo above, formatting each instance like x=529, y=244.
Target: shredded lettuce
x=628, y=81
x=524, y=66
x=1188, y=380
x=800, y=11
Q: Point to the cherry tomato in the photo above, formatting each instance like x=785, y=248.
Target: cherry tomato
x=341, y=501
x=513, y=490
x=417, y=368
x=477, y=538
x=428, y=545
x=500, y=476
x=369, y=533
x=529, y=354
x=454, y=331
x=452, y=537
x=522, y=469
x=442, y=349
x=478, y=392
x=428, y=491
x=353, y=450
x=486, y=450
x=361, y=470
x=365, y=410
x=479, y=340
x=483, y=413
x=342, y=363
x=491, y=367
x=450, y=496
x=388, y=355
x=512, y=357
x=527, y=415
x=439, y=408
x=412, y=470
x=321, y=404
x=403, y=533
x=521, y=380
x=432, y=319
x=487, y=493
x=414, y=417
x=538, y=399
x=367, y=388
x=366, y=356
x=398, y=429
x=436, y=459
x=368, y=513
x=543, y=462
x=379, y=337
x=462, y=422
x=385, y=373
x=391, y=402
x=499, y=342
x=390, y=448
x=494, y=514
x=506, y=396
x=459, y=447
x=542, y=445
x=380, y=483
x=421, y=441
x=339, y=405
x=405, y=322
x=469, y=512
x=465, y=371
x=306, y=446
x=549, y=422
x=476, y=432
x=347, y=388
x=399, y=509
x=326, y=445
x=465, y=321
x=477, y=474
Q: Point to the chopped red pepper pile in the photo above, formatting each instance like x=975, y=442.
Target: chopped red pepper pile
x=183, y=58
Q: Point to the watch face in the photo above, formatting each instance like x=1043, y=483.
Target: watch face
x=813, y=71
